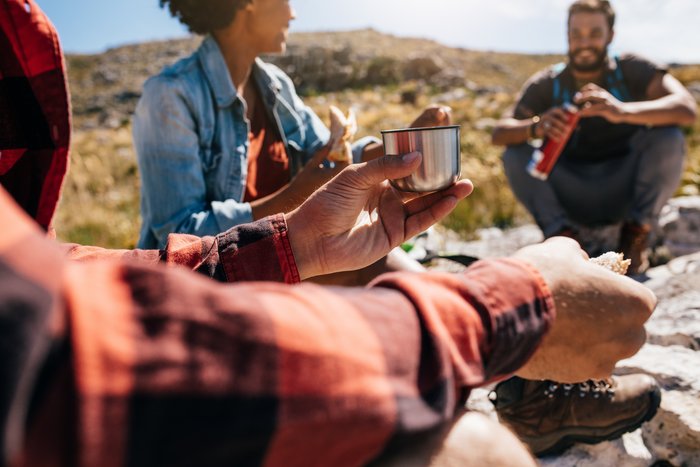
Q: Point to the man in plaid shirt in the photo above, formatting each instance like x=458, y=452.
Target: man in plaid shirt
x=120, y=361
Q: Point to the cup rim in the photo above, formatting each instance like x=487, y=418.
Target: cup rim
x=403, y=130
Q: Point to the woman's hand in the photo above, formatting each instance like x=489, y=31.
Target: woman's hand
x=437, y=115
x=357, y=218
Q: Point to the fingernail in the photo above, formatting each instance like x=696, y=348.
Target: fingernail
x=410, y=157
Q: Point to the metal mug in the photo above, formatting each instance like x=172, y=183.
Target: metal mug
x=441, y=164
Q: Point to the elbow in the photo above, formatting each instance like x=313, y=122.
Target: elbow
x=691, y=114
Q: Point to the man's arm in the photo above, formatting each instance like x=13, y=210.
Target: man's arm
x=350, y=223
x=668, y=103
x=524, y=121
x=258, y=251
x=511, y=131
x=269, y=372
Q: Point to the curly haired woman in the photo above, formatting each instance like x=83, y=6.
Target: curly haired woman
x=222, y=137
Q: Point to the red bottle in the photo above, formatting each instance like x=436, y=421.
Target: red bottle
x=544, y=158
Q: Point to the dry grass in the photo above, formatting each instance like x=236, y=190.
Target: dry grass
x=100, y=202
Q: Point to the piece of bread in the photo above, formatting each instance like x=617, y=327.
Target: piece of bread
x=615, y=262
x=343, y=131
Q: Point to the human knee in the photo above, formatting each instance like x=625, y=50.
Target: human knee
x=668, y=139
x=664, y=157
x=476, y=440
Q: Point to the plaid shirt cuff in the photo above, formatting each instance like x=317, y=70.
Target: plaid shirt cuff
x=259, y=251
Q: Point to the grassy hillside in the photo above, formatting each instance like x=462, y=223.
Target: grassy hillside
x=100, y=202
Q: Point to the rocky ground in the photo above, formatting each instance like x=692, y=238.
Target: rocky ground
x=671, y=355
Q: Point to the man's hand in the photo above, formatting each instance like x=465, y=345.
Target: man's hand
x=357, y=218
x=438, y=115
x=552, y=124
x=595, y=101
x=600, y=315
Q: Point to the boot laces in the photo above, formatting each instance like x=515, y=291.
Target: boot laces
x=593, y=388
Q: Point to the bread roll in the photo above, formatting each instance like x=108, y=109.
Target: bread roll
x=615, y=262
x=343, y=131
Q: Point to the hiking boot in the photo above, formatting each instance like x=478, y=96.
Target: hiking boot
x=550, y=417
x=633, y=244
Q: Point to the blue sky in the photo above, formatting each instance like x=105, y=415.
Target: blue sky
x=661, y=29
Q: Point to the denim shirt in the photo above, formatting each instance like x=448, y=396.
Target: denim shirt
x=191, y=138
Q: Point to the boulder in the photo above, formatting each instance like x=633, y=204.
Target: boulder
x=680, y=225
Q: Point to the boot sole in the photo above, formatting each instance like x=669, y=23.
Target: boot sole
x=553, y=445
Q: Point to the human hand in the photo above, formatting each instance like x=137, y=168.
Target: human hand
x=357, y=218
x=436, y=115
x=552, y=124
x=600, y=315
x=595, y=101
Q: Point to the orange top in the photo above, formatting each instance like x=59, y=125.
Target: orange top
x=268, y=162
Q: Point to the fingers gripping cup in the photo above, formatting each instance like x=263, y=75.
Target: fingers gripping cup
x=441, y=164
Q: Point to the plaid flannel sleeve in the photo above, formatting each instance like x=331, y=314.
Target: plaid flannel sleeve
x=121, y=362
x=258, y=251
x=191, y=372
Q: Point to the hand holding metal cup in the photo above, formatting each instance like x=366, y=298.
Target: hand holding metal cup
x=440, y=147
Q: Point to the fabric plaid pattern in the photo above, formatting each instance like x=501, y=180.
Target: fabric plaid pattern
x=34, y=109
x=137, y=364
x=259, y=251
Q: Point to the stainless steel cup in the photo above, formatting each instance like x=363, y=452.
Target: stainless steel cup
x=441, y=164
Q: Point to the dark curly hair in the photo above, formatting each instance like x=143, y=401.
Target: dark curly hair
x=594, y=6
x=204, y=16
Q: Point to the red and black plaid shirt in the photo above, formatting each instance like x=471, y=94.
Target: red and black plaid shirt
x=117, y=362
x=121, y=361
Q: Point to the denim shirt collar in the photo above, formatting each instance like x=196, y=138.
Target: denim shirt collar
x=216, y=71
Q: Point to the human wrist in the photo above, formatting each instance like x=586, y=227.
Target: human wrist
x=532, y=128
x=303, y=247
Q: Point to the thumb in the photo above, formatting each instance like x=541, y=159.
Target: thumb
x=376, y=171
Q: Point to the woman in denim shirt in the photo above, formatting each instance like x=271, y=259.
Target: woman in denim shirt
x=221, y=136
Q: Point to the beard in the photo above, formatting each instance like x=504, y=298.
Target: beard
x=601, y=55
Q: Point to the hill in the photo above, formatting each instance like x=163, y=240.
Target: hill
x=107, y=86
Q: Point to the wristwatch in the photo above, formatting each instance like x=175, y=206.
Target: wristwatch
x=533, y=126
x=531, y=136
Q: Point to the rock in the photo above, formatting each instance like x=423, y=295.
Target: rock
x=675, y=320
x=422, y=68
x=409, y=96
x=673, y=434
x=680, y=225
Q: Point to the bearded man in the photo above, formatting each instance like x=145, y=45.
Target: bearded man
x=625, y=158
x=621, y=164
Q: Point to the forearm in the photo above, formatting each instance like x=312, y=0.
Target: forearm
x=668, y=110
x=258, y=251
x=284, y=200
x=495, y=329
x=333, y=360
x=511, y=131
